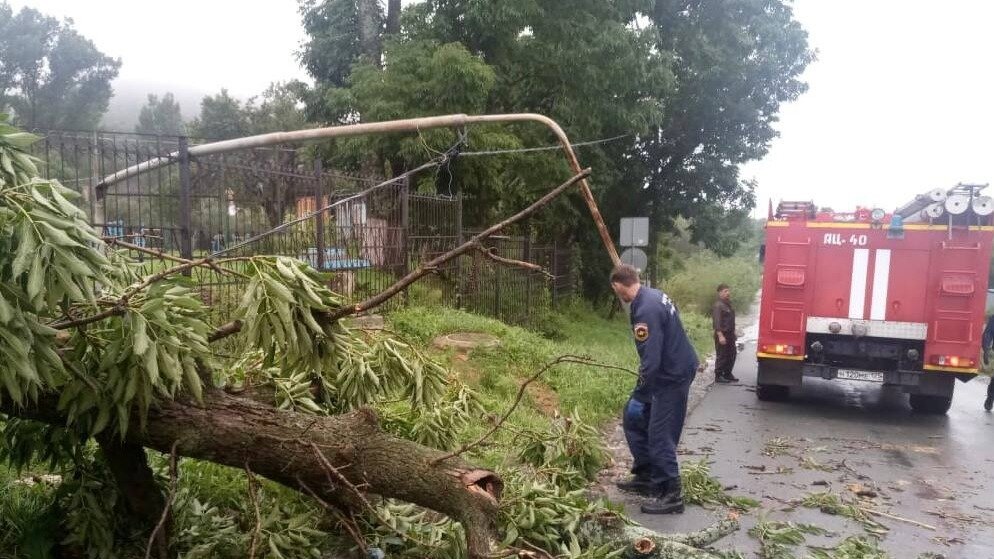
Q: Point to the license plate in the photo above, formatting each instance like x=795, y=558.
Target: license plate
x=871, y=376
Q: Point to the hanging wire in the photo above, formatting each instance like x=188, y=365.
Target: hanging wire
x=543, y=148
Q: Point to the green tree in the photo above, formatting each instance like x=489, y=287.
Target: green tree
x=693, y=86
x=161, y=116
x=280, y=107
x=50, y=75
x=343, y=32
x=222, y=117
x=735, y=62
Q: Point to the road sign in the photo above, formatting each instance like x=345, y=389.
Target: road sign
x=634, y=232
x=636, y=258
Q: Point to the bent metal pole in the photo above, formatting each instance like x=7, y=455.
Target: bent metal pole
x=392, y=126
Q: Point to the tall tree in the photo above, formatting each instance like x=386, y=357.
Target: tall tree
x=735, y=63
x=280, y=107
x=50, y=75
x=343, y=32
x=160, y=116
x=222, y=117
x=692, y=86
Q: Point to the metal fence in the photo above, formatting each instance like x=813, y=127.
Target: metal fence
x=232, y=203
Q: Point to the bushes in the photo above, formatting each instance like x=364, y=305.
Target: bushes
x=693, y=288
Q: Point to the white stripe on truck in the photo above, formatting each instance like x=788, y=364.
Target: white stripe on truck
x=881, y=279
x=857, y=289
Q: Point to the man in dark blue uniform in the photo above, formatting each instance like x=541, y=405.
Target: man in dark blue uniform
x=654, y=415
x=987, y=343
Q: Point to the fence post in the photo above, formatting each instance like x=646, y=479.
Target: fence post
x=185, y=239
x=497, y=274
x=405, y=225
x=319, y=218
x=527, y=257
x=459, y=242
x=555, y=273
x=96, y=166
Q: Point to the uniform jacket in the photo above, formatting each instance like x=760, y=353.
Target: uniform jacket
x=664, y=350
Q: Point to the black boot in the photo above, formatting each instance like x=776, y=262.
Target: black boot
x=669, y=499
x=639, y=485
x=721, y=379
x=731, y=377
x=989, y=402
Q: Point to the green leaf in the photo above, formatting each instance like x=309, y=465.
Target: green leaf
x=36, y=279
x=139, y=333
x=27, y=243
x=103, y=416
x=6, y=311
x=193, y=383
x=57, y=236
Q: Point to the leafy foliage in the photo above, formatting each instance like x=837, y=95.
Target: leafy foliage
x=160, y=116
x=852, y=548
x=830, y=503
x=545, y=514
x=700, y=488
x=693, y=89
x=779, y=538
x=570, y=447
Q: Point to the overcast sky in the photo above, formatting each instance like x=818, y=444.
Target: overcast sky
x=900, y=99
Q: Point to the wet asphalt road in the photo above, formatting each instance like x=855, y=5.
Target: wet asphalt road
x=936, y=470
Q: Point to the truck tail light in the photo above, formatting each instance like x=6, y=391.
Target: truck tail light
x=780, y=349
x=954, y=361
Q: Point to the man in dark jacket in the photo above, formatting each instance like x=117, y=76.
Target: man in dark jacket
x=987, y=343
x=723, y=323
x=654, y=415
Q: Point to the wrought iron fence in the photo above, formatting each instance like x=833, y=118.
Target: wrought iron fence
x=267, y=201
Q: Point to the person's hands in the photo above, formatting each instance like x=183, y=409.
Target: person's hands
x=721, y=338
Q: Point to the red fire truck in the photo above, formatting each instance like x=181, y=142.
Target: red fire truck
x=895, y=298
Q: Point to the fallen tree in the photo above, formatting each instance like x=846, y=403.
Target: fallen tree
x=92, y=351
x=301, y=452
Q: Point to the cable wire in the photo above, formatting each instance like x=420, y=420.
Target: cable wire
x=543, y=148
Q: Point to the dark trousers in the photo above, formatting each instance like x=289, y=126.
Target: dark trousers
x=724, y=356
x=990, y=389
x=653, y=431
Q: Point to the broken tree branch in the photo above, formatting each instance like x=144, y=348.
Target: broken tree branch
x=138, y=248
x=427, y=267
x=898, y=518
x=513, y=263
x=121, y=305
x=229, y=329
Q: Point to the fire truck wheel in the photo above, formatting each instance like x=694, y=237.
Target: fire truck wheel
x=923, y=403
x=772, y=392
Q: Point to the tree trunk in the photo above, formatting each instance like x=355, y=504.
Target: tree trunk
x=393, y=17
x=283, y=446
x=369, y=30
x=136, y=482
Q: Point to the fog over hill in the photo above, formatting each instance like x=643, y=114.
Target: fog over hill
x=130, y=96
